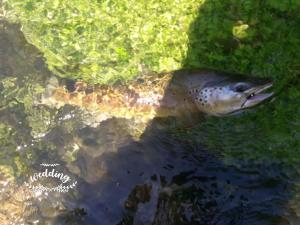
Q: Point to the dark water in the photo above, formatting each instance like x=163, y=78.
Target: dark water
x=159, y=179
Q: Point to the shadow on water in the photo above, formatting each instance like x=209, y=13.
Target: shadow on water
x=162, y=179
x=159, y=179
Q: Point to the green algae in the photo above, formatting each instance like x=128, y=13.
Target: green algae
x=105, y=41
x=259, y=38
x=248, y=37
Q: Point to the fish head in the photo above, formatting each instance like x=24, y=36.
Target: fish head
x=227, y=96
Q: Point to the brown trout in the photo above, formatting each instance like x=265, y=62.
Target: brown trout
x=178, y=94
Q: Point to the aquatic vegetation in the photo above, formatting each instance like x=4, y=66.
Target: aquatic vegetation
x=227, y=156
x=105, y=41
x=260, y=38
x=101, y=42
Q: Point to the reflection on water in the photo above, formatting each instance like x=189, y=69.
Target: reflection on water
x=159, y=179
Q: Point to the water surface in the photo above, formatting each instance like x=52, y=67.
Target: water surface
x=165, y=177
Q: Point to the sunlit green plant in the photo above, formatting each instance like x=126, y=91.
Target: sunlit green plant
x=103, y=41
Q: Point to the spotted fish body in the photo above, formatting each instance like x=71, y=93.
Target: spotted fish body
x=139, y=100
x=178, y=94
x=205, y=97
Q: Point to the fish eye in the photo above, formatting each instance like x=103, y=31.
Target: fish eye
x=251, y=95
x=241, y=87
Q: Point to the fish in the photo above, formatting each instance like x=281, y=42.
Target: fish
x=221, y=94
x=178, y=94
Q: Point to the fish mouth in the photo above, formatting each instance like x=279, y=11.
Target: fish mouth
x=256, y=96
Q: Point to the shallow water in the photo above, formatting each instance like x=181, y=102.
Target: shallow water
x=160, y=179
